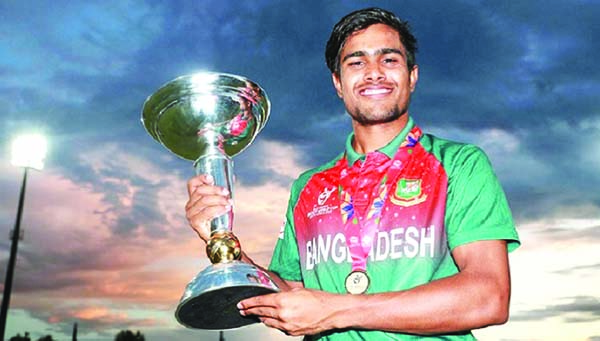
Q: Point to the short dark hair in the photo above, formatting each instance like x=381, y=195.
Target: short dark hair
x=360, y=20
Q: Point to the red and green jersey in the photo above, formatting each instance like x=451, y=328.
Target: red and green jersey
x=422, y=195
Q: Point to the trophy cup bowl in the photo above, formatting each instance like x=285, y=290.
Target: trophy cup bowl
x=208, y=118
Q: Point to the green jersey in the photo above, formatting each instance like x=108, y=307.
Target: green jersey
x=423, y=197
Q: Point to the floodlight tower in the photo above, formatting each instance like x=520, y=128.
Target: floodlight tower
x=28, y=151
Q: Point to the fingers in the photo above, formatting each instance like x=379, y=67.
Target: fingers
x=271, y=312
x=206, y=202
x=207, y=196
x=261, y=312
x=199, y=180
x=271, y=322
x=268, y=300
x=259, y=305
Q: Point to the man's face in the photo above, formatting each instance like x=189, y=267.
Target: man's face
x=374, y=82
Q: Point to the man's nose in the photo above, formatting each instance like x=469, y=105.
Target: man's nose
x=374, y=73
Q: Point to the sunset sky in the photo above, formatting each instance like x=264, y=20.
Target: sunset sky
x=106, y=243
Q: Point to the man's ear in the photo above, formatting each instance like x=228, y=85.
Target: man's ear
x=414, y=77
x=337, y=84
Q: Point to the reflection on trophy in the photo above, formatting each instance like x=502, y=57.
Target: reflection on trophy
x=208, y=118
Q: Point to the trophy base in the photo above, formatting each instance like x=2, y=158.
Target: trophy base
x=210, y=299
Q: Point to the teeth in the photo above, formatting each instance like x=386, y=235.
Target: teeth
x=375, y=91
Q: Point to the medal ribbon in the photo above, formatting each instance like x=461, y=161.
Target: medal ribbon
x=360, y=229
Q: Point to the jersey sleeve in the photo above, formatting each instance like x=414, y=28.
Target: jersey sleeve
x=476, y=207
x=286, y=258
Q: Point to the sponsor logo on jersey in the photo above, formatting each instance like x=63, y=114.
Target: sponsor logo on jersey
x=323, y=196
x=322, y=207
x=408, y=193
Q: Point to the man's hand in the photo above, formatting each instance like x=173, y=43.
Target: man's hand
x=206, y=202
x=295, y=312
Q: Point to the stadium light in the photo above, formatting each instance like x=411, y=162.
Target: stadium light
x=28, y=151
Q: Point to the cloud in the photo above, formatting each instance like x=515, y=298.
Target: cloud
x=64, y=232
x=527, y=74
x=101, y=318
x=578, y=309
x=582, y=268
x=569, y=234
x=269, y=161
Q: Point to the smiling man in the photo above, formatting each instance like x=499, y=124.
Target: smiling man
x=404, y=235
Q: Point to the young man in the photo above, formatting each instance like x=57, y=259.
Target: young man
x=402, y=236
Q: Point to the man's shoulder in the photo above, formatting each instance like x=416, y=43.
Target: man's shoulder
x=301, y=182
x=433, y=142
x=305, y=176
x=450, y=151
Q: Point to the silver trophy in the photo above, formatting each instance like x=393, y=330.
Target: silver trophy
x=208, y=118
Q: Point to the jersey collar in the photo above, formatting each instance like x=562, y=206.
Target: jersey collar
x=390, y=149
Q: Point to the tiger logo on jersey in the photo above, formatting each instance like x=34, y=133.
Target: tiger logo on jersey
x=408, y=193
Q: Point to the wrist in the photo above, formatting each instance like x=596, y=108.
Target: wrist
x=203, y=230
x=344, y=309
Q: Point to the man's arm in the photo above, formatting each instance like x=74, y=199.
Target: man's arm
x=475, y=297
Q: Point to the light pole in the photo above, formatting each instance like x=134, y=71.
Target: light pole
x=28, y=151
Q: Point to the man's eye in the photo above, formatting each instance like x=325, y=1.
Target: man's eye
x=355, y=63
x=390, y=60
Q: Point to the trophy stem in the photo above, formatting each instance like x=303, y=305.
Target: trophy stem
x=221, y=168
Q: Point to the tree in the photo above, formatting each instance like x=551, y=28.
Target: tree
x=18, y=337
x=128, y=335
x=46, y=338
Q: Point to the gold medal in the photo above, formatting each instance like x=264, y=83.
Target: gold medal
x=357, y=282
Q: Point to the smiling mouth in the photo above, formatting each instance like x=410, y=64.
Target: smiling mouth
x=375, y=91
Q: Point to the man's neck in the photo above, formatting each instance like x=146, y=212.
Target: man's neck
x=373, y=137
